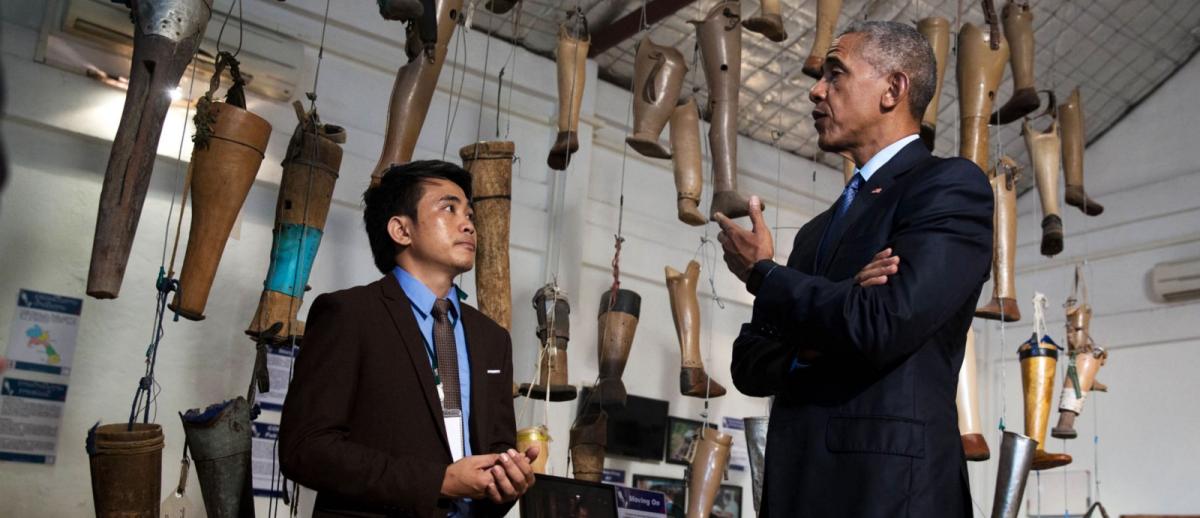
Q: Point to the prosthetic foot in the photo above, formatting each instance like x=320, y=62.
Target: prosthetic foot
x=937, y=30
x=1038, y=360
x=1045, y=151
x=657, y=75
x=720, y=39
x=685, y=157
x=980, y=70
x=1016, y=458
x=707, y=470
x=975, y=447
x=1018, y=30
x=768, y=21
x=554, y=316
x=685, y=308
x=827, y=18
x=616, y=328
x=589, y=437
x=1003, y=305
x=571, y=59
x=1070, y=113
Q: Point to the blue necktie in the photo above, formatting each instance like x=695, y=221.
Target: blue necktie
x=843, y=205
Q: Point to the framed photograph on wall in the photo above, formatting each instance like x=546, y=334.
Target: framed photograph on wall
x=728, y=503
x=681, y=433
x=675, y=490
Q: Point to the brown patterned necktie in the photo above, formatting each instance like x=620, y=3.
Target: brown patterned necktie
x=447, y=354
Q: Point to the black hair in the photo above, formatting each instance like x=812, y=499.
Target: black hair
x=398, y=194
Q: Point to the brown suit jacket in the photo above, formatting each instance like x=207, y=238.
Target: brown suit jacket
x=362, y=424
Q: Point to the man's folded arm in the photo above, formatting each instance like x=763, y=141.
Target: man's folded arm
x=761, y=361
x=314, y=448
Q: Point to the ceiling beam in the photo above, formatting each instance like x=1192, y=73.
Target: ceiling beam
x=630, y=24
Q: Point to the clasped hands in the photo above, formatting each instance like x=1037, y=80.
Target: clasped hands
x=501, y=478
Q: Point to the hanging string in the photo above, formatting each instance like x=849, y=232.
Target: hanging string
x=241, y=27
x=455, y=96
x=487, y=49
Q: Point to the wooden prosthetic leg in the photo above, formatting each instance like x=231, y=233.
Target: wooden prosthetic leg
x=490, y=165
x=618, y=324
x=1038, y=361
x=706, y=471
x=554, y=331
x=1018, y=30
x=1003, y=305
x=685, y=157
x=720, y=39
x=571, y=58
x=980, y=69
x=589, y=438
x=165, y=37
x=657, y=75
x=685, y=308
x=970, y=427
x=937, y=30
x=1070, y=113
x=828, y=12
x=768, y=21
x=1045, y=151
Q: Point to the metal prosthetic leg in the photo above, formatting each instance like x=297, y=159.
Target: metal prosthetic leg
x=828, y=12
x=1038, y=361
x=980, y=69
x=1018, y=30
x=970, y=427
x=554, y=331
x=219, y=440
x=1003, y=305
x=571, y=58
x=490, y=165
x=1070, y=114
x=685, y=158
x=756, y=443
x=616, y=329
x=685, y=308
x=1045, y=151
x=657, y=75
x=1016, y=459
x=937, y=30
x=768, y=21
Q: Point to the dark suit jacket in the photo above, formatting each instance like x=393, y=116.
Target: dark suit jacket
x=362, y=424
x=870, y=428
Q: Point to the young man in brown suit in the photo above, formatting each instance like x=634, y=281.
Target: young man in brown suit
x=401, y=401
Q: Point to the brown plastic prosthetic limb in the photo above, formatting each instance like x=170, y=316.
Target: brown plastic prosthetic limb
x=501, y=6
x=401, y=10
x=828, y=12
x=1016, y=458
x=685, y=309
x=1003, y=305
x=1018, y=30
x=1087, y=364
x=126, y=469
x=571, y=59
x=768, y=21
x=554, y=331
x=490, y=165
x=1038, y=360
x=979, y=72
x=166, y=36
x=222, y=173
x=412, y=93
x=535, y=436
x=657, y=77
x=975, y=447
x=685, y=158
x=1079, y=319
x=616, y=329
x=589, y=437
x=720, y=39
x=707, y=470
x=1045, y=151
x=1070, y=114
x=310, y=170
x=937, y=30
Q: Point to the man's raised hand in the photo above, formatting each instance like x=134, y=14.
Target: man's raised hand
x=744, y=247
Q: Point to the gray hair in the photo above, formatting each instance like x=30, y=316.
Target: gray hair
x=892, y=47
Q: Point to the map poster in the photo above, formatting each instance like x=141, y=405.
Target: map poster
x=30, y=415
x=279, y=368
x=265, y=477
x=41, y=337
x=739, y=456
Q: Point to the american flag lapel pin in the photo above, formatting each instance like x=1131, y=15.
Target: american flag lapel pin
x=877, y=190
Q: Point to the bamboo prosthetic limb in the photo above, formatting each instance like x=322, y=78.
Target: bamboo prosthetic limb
x=768, y=21
x=166, y=36
x=937, y=30
x=1018, y=30
x=490, y=165
x=979, y=72
x=658, y=77
x=413, y=91
x=1003, y=305
x=1070, y=113
x=571, y=60
x=685, y=308
x=1045, y=151
x=550, y=304
x=616, y=329
x=828, y=12
x=707, y=470
x=1038, y=361
x=975, y=447
x=685, y=159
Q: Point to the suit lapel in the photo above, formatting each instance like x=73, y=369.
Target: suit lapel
x=477, y=345
x=909, y=157
x=400, y=310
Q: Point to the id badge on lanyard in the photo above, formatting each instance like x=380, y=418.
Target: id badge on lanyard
x=453, y=421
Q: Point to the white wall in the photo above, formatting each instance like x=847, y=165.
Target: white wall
x=58, y=128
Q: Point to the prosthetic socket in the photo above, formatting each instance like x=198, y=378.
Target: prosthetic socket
x=1045, y=151
x=937, y=30
x=126, y=469
x=710, y=457
x=975, y=447
x=219, y=440
x=554, y=330
x=768, y=21
x=685, y=308
x=490, y=165
x=1038, y=361
x=980, y=70
x=1018, y=30
x=685, y=157
x=720, y=39
x=571, y=58
x=1070, y=114
x=165, y=37
x=1016, y=459
x=589, y=437
x=657, y=77
x=618, y=322
x=1003, y=305
x=756, y=443
x=827, y=18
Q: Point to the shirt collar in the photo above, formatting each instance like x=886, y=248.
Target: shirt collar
x=883, y=157
x=421, y=297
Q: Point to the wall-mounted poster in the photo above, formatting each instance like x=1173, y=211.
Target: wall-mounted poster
x=739, y=456
x=675, y=490
x=728, y=503
x=681, y=433
x=41, y=337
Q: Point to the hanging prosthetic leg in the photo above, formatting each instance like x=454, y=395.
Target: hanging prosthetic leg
x=1003, y=305
x=1045, y=151
x=768, y=21
x=1016, y=459
x=657, y=77
x=980, y=69
x=571, y=58
x=1018, y=30
x=828, y=12
x=685, y=158
x=756, y=443
x=490, y=165
x=685, y=308
x=618, y=324
x=975, y=447
x=401, y=10
x=415, y=83
x=1038, y=361
x=706, y=471
x=937, y=30
x=554, y=330
x=720, y=39
x=310, y=170
x=126, y=469
x=535, y=436
x=166, y=36
x=589, y=437
x=1070, y=404
x=219, y=439
x=1070, y=113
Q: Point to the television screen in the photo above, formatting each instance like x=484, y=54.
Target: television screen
x=558, y=497
x=639, y=430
